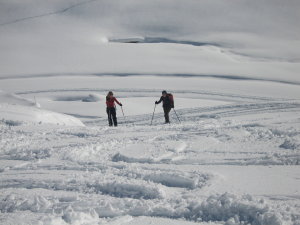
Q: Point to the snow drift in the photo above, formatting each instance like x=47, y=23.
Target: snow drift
x=15, y=110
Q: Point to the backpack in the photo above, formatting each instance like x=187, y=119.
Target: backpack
x=171, y=99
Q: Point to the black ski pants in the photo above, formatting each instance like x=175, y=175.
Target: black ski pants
x=112, y=116
x=167, y=110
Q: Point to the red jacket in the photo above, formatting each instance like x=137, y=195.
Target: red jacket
x=110, y=102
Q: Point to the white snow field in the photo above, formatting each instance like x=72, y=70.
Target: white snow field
x=233, y=68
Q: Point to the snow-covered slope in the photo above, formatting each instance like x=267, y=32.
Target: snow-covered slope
x=233, y=68
x=15, y=110
x=226, y=164
x=256, y=40
x=233, y=159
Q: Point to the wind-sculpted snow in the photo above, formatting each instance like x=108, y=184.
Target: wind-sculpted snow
x=170, y=178
x=130, y=190
x=83, y=98
x=152, y=40
x=28, y=114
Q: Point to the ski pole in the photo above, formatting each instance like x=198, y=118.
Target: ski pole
x=123, y=113
x=177, y=115
x=153, y=114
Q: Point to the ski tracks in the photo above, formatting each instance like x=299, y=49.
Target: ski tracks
x=74, y=175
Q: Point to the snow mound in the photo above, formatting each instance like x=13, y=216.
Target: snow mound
x=28, y=154
x=130, y=189
x=84, y=98
x=149, y=153
x=120, y=157
x=93, y=98
x=73, y=217
x=233, y=210
x=171, y=178
x=12, y=203
x=117, y=187
x=21, y=113
x=290, y=144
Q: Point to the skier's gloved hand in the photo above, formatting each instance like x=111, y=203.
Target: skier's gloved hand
x=121, y=104
x=156, y=102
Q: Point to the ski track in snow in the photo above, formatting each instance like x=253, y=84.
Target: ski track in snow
x=60, y=11
x=83, y=174
x=238, y=98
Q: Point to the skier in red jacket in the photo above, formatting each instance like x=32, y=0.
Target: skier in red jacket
x=111, y=108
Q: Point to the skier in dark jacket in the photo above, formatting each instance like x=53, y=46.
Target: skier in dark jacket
x=168, y=104
x=111, y=108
